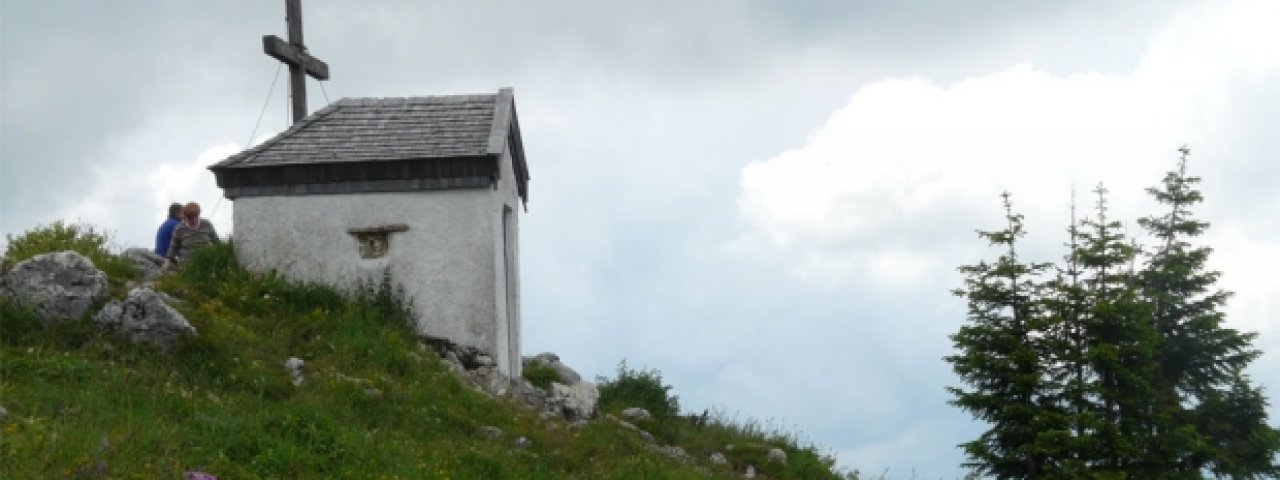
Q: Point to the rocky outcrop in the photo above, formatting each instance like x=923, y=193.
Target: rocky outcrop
x=58, y=286
x=567, y=375
x=575, y=402
x=636, y=414
x=672, y=451
x=146, y=261
x=144, y=317
x=776, y=455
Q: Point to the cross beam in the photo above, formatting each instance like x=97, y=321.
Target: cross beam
x=294, y=53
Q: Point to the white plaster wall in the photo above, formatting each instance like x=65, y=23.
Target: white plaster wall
x=507, y=197
x=451, y=261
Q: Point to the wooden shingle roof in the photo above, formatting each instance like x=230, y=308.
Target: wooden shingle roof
x=384, y=144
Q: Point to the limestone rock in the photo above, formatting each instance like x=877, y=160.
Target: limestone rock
x=646, y=436
x=143, y=317
x=58, y=286
x=146, y=261
x=294, y=366
x=491, y=431
x=718, y=458
x=636, y=414
x=674, y=452
x=567, y=375
x=577, y=401
x=523, y=443
x=4, y=414
x=776, y=455
x=750, y=473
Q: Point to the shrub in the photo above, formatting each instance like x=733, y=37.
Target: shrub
x=638, y=388
x=58, y=236
x=541, y=375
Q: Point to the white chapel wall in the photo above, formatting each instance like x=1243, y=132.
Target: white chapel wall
x=445, y=260
x=506, y=264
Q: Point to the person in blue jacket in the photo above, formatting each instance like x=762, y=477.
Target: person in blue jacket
x=165, y=234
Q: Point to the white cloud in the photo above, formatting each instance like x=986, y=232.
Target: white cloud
x=129, y=200
x=906, y=154
x=883, y=198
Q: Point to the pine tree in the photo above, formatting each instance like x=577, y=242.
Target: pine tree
x=999, y=359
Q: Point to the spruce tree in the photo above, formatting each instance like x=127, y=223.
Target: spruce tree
x=999, y=359
x=1065, y=303
x=1201, y=361
x=1118, y=347
x=1108, y=370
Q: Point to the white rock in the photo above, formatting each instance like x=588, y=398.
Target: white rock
x=672, y=451
x=648, y=437
x=567, y=375
x=523, y=443
x=576, y=401
x=750, y=473
x=491, y=431
x=58, y=286
x=146, y=261
x=143, y=317
x=719, y=458
x=636, y=414
x=776, y=455
x=294, y=366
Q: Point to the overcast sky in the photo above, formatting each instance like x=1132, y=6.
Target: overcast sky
x=766, y=201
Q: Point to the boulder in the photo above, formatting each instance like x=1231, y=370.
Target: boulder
x=567, y=375
x=636, y=414
x=146, y=261
x=776, y=455
x=143, y=317
x=674, y=452
x=294, y=366
x=718, y=458
x=577, y=401
x=491, y=431
x=523, y=443
x=58, y=286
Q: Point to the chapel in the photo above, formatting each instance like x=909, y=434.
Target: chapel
x=426, y=189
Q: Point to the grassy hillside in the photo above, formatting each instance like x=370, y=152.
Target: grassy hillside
x=84, y=404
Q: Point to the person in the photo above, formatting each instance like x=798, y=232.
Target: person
x=192, y=233
x=165, y=234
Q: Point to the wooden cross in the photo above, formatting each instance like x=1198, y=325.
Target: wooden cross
x=294, y=53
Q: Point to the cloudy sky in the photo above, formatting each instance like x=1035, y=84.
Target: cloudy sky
x=766, y=201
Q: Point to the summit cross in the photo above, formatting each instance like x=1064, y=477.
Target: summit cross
x=294, y=53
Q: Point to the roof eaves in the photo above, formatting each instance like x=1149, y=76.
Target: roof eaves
x=247, y=156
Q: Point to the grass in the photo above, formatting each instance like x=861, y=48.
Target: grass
x=84, y=404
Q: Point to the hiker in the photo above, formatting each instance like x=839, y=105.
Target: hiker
x=192, y=233
x=165, y=234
